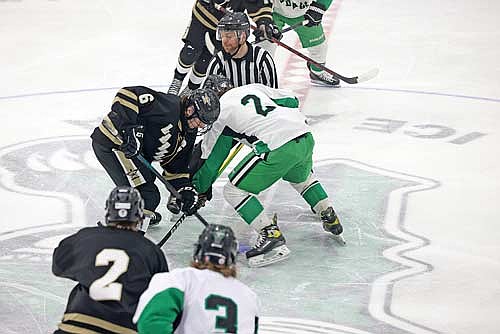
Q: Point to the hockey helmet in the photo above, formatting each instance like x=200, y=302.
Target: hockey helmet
x=206, y=105
x=235, y=21
x=124, y=205
x=218, y=83
x=217, y=245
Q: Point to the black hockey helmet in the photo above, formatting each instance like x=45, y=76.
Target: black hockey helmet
x=216, y=244
x=124, y=205
x=235, y=21
x=218, y=83
x=206, y=105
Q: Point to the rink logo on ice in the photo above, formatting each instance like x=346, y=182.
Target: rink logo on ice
x=352, y=284
x=59, y=186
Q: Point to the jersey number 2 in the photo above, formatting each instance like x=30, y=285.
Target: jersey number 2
x=257, y=104
x=105, y=288
x=230, y=322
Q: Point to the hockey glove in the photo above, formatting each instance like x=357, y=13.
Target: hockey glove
x=205, y=197
x=132, y=140
x=314, y=14
x=266, y=30
x=189, y=200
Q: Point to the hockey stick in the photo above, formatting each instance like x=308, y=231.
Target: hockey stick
x=229, y=158
x=172, y=230
x=181, y=218
x=295, y=26
x=170, y=188
x=350, y=80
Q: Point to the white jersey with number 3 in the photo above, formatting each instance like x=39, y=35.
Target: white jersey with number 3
x=209, y=302
x=257, y=114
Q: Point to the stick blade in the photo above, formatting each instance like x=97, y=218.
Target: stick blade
x=368, y=75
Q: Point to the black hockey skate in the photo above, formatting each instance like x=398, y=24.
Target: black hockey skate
x=332, y=224
x=269, y=248
x=155, y=219
x=172, y=205
x=323, y=78
x=175, y=86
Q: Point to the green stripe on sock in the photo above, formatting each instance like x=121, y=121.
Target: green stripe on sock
x=314, y=194
x=250, y=210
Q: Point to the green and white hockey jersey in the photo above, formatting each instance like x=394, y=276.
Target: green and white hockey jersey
x=194, y=301
x=261, y=117
x=295, y=8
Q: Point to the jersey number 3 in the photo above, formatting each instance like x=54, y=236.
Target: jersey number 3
x=229, y=322
x=105, y=288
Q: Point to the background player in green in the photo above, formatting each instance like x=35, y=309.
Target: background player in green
x=270, y=122
x=204, y=298
x=312, y=36
x=112, y=264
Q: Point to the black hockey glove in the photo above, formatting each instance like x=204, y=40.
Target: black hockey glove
x=205, y=197
x=189, y=200
x=132, y=140
x=314, y=14
x=266, y=30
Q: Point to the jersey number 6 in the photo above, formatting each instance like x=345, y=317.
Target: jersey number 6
x=105, y=288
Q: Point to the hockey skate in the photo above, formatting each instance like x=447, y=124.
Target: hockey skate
x=185, y=92
x=155, y=219
x=332, y=224
x=172, y=205
x=175, y=86
x=322, y=78
x=269, y=248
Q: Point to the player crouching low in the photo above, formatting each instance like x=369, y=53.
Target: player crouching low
x=270, y=122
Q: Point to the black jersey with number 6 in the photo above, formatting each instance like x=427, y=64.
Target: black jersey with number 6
x=112, y=267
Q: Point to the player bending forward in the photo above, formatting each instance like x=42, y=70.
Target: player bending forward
x=270, y=122
x=205, y=298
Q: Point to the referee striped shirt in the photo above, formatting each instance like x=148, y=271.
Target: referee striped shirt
x=257, y=66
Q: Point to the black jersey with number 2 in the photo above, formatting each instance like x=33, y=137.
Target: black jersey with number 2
x=112, y=267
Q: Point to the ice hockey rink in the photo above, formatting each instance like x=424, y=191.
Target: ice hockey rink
x=410, y=159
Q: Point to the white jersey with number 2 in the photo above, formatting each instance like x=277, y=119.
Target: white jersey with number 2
x=257, y=114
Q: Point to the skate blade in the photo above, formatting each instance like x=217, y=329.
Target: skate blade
x=276, y=255
x=339, y=239
x=319, y=83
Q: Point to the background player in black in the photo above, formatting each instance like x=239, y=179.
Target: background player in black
x=163, y=127
x=204, y=19
x=112, y=264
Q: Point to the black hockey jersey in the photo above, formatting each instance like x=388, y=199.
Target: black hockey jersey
x=112, y=267
x=166, y=138
x=209, y=16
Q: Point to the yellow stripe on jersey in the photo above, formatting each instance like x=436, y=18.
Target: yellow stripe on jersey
x=128, y=93
x=198, y=10
x=74, y=329
x=109, y=130
x=126, y=103
x=174, y=176
x=263, y=12
x=87, y=319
